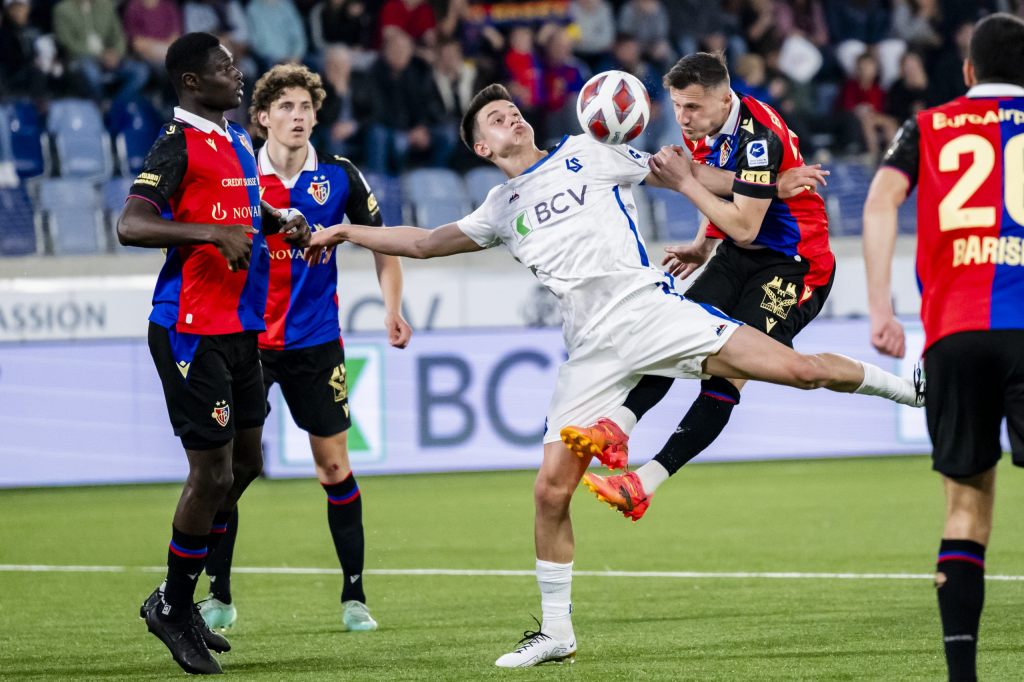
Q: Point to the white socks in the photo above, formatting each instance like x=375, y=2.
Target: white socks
x=623, y=418
x=555, y=582
x=880, y=383
x=652, y=475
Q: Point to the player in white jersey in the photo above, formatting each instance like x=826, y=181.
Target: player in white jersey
x=568, y=215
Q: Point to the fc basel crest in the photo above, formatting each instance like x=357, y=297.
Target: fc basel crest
x=320, y=189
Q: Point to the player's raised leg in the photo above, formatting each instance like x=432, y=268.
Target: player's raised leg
x=557, y=479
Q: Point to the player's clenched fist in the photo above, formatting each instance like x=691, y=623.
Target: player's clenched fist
x=234, y=243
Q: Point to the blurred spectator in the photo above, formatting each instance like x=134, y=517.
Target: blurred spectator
x=89, y=32
x=759, y=19
x=863, y=98
x=276, y=32
x=151, y=26
x=455, y=83
x=336, y=121
x=805, y=18
x=340, y=22
x=909, y=94
x=945, y=77
x=648, y=22
x=564, y=76
x=595, y=23
x=226, y=20
x=857, y=25
x=704, y=25
x=398, y=95
x=750, y=77
x=916, y=22
x=415, y=18
x=524, y=70
x=19, y=73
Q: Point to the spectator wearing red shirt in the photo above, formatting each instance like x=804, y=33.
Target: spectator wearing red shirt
x=562, y=80
x=863, y=98
x=151, y=26
x=524, y=69
x=415, y=18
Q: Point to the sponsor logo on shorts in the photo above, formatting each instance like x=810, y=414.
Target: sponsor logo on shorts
x=779, y=297
x=769, y=324
x=221, y=412
x=338, y=383
x=183, y=368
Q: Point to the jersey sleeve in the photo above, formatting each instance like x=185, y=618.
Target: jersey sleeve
x=904, y=152
x=163, y=168
x=479, y=225
x=362, y=207
x=621, y=163
x=758, y=162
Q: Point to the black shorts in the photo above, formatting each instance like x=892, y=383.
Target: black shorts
x=212, y=384
x=313, y=383
x=761, y=288
x=974, y=380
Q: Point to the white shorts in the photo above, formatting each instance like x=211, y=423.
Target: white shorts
x=653, y=331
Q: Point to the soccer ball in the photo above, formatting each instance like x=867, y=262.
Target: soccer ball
x=613, y=107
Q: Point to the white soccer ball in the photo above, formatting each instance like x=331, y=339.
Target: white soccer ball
x=613, y=107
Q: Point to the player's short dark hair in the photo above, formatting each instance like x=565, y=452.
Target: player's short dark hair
x=494, y=92
x=997, y=49
x=700, y=68
x=274, y=82
x=189, y=54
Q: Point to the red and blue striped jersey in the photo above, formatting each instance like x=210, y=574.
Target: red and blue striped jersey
x=967, y=158
x=756, y=145
x=302, y=304
x=198, y=172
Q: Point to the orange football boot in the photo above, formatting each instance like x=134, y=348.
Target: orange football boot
x=623, y=492
x=602, y=439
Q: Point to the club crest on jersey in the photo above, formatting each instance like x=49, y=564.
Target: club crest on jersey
x=724, y=152
x=574, y=165
x=779, y=297
x=221, y=412
x=320, y=189
x=757, y=154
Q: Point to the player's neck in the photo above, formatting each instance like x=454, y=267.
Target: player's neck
x=515, y=164
x=287, y=161
x=215, y=116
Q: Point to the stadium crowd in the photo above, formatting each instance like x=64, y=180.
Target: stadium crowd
x=400, y=72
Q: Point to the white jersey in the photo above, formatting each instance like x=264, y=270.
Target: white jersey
x=571, y=219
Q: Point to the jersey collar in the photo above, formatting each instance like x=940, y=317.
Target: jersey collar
x=541, y=160
x=200, y=123
x=731, y=123
x=995, y=90
x=267, y=167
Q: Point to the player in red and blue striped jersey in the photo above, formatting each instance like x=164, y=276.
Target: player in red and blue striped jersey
x=198, y=197
x=773, y=268
x=301, y=349
x=966, y=158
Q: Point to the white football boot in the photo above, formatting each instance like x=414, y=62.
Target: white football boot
x=536, y=648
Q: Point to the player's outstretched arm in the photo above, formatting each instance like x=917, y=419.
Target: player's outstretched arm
x=888, y=191
x=411, y=242
x=140, y=224
x=740, y=219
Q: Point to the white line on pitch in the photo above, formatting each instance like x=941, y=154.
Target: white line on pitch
x=470, y=572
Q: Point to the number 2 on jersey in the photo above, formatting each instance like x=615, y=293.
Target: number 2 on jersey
x=953, y=215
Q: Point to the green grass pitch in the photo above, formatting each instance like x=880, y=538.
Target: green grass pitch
x=856, y=516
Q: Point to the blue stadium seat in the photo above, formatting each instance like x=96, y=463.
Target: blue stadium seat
x=28, y=140
x=678, y=219
x=437, y=196
x=17, y=229
x=114, y=192
x=81, y=141
x=480, y=181
x=134, y=123
x=845, y=196
x=6, y=152
x=73, y=216
x=388, y=191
